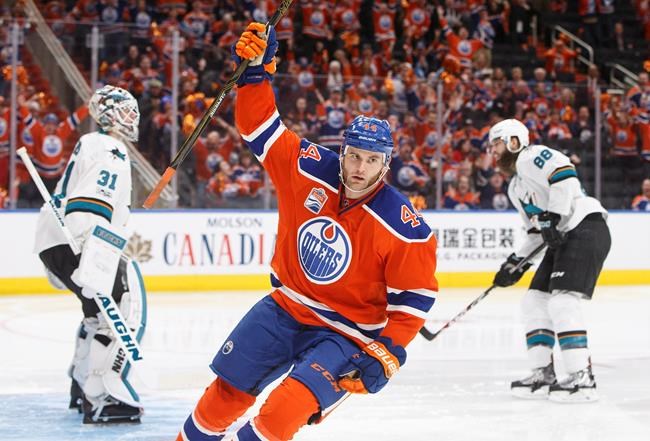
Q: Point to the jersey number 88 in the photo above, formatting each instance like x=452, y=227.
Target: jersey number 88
x=544, y=156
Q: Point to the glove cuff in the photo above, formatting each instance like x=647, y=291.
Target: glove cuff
x=254, y=75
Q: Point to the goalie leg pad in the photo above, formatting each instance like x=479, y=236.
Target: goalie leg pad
x=79, y=365
x=109, y=396
x=80, y=361
x=132, y=296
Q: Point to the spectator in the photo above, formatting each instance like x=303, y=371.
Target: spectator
x=460, y=196
x=619, y=40
x=407, y=174
x=557, y=129
x=494, y=196
x=206, y=163
x=461, y=47
x=520, y=18
x=642, y=202
x=247, y=174
x=589, y=18
x=625, y=148
x=605, y=21
x=333, y=116
x=334, y=76
x=638, y=102
x=559, y=60
x=50, y=136
x=583, y=127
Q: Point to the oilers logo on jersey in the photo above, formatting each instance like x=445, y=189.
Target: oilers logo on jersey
x=316, y=200
x=385, y=22
x=52, y=145
x=324, y=250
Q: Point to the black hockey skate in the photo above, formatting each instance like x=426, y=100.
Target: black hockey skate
x=578, y=387
x=76, y=396
x=111, y=411
x=536, y=386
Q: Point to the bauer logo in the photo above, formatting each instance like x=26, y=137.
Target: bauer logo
x=324, y=250
x=227, y=347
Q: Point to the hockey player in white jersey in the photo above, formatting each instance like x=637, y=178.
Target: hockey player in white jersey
x=547, y=193
x=95, y=189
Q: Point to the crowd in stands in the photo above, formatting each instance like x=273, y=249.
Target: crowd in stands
x=384, y=58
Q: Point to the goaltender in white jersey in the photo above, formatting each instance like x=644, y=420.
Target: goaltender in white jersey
x=547, y=193
x=95, y=190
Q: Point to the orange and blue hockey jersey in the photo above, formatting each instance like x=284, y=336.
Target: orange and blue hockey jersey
x=363, y=270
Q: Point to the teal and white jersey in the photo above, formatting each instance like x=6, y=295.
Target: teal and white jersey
x=94, y=189
x=547, y=181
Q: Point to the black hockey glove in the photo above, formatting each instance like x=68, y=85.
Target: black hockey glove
x=504, y=277
x=548, y=227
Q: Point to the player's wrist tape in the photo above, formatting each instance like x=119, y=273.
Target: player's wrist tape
x=379, y=352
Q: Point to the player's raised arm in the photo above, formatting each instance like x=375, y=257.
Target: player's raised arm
x=256, y=115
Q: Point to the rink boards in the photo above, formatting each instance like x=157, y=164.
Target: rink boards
x=203, y=250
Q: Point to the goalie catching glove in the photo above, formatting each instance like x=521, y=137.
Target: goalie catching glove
x=374, y=366
x=258, y=47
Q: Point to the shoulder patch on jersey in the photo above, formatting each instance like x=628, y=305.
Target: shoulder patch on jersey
x=395, y=212
x=319, y=164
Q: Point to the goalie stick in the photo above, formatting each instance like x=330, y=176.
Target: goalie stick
x=188, y=144
x=106, y=303
x=431, y=335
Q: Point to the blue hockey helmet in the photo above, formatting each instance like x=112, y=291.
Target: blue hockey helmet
x=369, y=134
x=51, y=118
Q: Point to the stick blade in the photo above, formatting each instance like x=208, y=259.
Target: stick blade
x=424, y=332
x=162, y=183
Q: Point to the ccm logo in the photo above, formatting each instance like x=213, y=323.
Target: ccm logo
x=325, y=373
x=380, y=353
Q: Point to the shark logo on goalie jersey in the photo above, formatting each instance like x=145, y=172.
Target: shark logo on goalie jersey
x=324, y=250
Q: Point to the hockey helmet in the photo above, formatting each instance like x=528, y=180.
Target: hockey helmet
x=50, y=118
x=371, y=134
x=506, y=130
x=115, y=110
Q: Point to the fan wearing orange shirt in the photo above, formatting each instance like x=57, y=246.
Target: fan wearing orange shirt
x=353, y=273
x=50, y=137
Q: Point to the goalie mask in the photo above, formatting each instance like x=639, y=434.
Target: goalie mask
x=116, y=111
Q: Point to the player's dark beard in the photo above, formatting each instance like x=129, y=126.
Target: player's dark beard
x=507, y=162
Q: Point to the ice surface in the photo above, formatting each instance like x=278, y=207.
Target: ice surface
x=454, y=388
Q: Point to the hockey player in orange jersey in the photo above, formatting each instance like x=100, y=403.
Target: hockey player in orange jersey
x=353, y=273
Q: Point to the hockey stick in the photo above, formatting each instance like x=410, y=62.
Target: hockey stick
x=188, y=144
x=431, y=335
x=106, y=303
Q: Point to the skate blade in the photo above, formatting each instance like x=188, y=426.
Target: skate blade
x=112, y=421
x=526, y=394
x=582, y=396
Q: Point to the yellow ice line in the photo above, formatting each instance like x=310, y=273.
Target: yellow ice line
x=249, y=282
